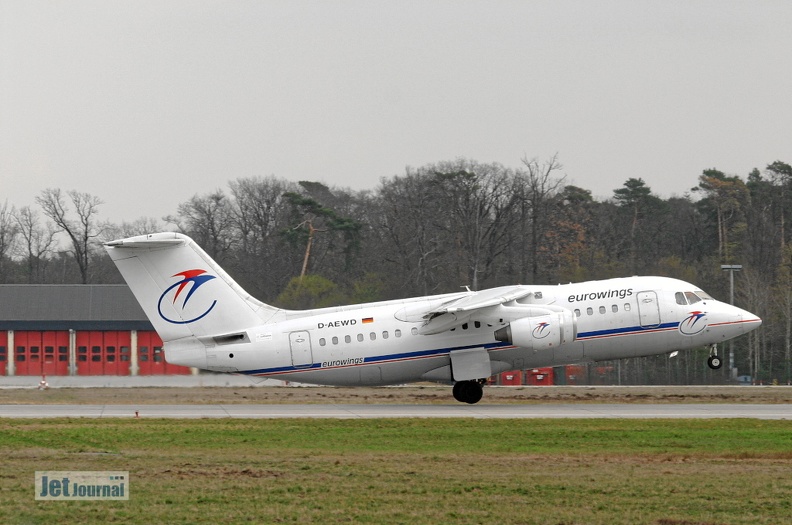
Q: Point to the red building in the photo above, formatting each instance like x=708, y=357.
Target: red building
x=77, y=330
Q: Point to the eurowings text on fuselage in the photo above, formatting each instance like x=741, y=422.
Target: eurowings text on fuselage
x=208, y=321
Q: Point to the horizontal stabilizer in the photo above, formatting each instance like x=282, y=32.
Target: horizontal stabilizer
x=148, y=241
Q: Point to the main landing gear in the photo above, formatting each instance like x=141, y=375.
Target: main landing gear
x=714, y=361
x=469, y=392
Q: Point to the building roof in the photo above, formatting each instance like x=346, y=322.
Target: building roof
x=70, y=306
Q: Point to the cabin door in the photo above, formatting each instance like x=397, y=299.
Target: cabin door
x=300, y=343
x=648, y=309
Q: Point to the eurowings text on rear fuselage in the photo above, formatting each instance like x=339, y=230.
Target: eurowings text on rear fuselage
x=206, y=320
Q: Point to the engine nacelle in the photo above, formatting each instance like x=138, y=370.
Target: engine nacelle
x=541, y=331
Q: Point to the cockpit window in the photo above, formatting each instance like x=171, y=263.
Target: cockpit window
x=704, y=296
x=692, y=298
x=680, y=298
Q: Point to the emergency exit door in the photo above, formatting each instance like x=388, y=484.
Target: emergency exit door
x=300, y=343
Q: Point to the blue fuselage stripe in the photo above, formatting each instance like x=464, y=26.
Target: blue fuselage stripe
x=404, y=356
x=629, y=330
x=375, y=359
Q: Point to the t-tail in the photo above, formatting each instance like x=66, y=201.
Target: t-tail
x=184, y=293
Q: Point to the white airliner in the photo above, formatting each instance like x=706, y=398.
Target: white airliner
x=206, y=320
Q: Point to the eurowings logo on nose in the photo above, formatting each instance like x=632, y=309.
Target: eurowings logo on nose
x=692, y=324
x=191, y=281
x=541, y=330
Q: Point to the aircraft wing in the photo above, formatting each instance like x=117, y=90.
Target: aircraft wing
x=459, y=310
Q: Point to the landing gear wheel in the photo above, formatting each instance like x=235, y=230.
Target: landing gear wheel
x=714, y=362
x=469, y=392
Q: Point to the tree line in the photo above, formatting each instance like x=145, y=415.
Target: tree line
x=451, y=224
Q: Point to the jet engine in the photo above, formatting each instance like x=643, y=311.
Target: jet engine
x=541, y=331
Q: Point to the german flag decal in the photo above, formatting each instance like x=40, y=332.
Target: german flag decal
x=367, y=320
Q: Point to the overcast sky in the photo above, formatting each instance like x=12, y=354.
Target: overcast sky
x=146, y=103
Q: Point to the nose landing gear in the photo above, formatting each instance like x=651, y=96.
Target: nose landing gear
x=714, y=361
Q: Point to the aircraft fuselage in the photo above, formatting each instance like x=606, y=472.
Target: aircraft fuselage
x=379, y=343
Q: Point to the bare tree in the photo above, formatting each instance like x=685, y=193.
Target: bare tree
x=540, y=182
x=210, y=221
x=8, y=237
x=82, y=230
x=36, y=242
x=412, y=245
x=141, y=226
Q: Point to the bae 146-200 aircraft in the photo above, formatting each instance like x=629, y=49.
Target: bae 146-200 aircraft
x=206, y=320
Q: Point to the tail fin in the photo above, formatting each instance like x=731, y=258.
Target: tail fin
x=182, y=290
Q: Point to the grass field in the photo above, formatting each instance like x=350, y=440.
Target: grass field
x=415, y=471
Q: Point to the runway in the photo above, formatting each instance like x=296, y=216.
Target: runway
x=372, y=411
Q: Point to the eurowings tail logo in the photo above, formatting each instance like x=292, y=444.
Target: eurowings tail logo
x=541, y=330
x=693, y=323
x=191, y=281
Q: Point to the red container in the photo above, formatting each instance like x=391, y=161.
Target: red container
x=511, y=378
x=539, y=377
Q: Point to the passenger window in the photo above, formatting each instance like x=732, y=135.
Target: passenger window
x=384, y=335
x=602, y=309
x=360, y=337
x=615, y=308
x=373, y=336
x=347, y=339
x=322, y=341
x=397, y=332
x=626, y=307
x=335, y=340
x=464, y=326
x=680, y=298
x=577, y=312
x=414, y=331
x=590, y=311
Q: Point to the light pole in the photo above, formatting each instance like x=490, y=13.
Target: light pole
x=731, y=268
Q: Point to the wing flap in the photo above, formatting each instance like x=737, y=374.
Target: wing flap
x=455, y=313
x=485, y=299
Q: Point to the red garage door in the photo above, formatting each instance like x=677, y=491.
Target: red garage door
x=151, y=358
x=103, y=353
x=37, y=353
x=3, y=352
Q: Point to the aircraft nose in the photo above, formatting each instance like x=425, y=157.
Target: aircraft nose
x=747, y=321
